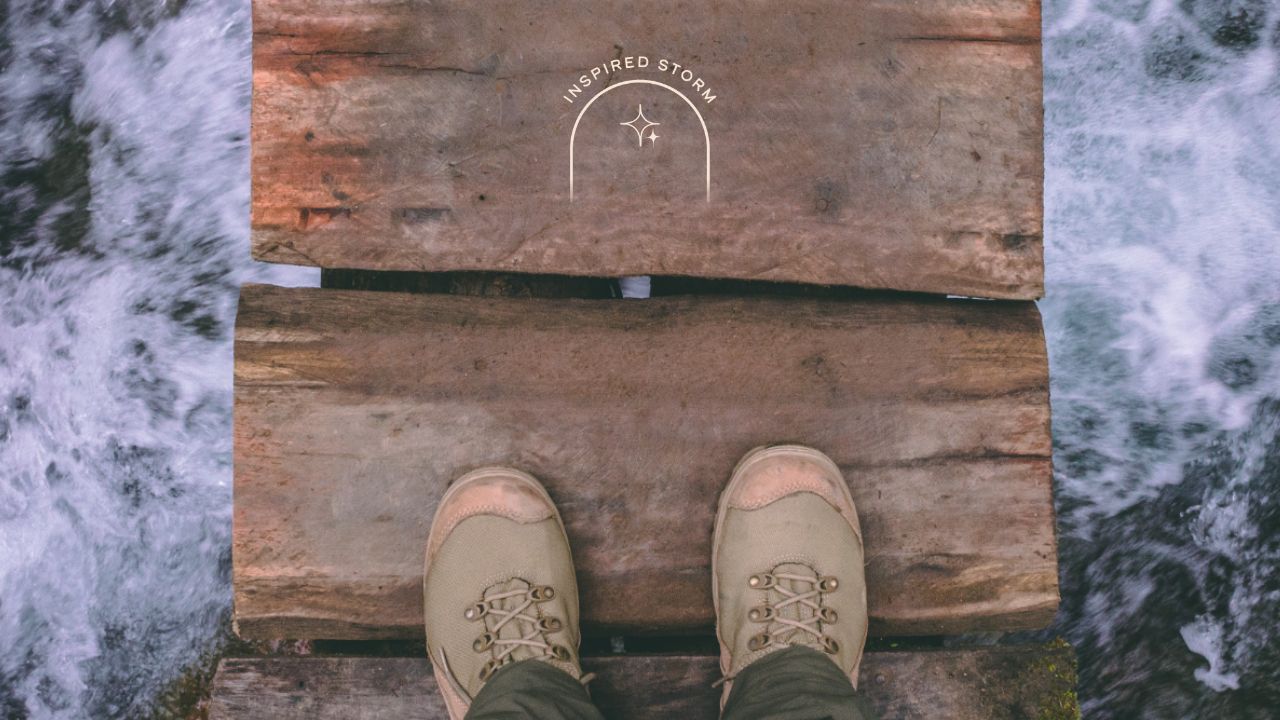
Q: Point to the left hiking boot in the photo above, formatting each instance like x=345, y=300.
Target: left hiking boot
x=499, y=585
x=787, y=562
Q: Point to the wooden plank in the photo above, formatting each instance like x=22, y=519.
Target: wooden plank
x=876, y=143
x=993, y=683
x=355, y=410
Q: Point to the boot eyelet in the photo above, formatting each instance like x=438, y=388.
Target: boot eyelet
x=541, y=593
x=549, y=624
x=828, y=584
x=560, y=652
x=487, y=670
x=762, y=581
x=477, y=611
x=482, y=643
x=764, y=613
x=827, y=615
x=830, y=645
x=759, y=641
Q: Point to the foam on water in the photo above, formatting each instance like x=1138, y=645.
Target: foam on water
x=1163, y=319
x=123, y=237
x=124, y=212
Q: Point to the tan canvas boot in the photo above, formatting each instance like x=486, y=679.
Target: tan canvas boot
x=787, y=563
x=499, y=584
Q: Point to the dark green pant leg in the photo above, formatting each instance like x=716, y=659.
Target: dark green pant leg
x=798, y=683
x=533, y=690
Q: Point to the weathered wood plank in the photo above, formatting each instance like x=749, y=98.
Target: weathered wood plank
x=877, y=143
x=994, y=683
x=355, y=410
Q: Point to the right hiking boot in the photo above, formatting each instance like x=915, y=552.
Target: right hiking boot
x=499, y=585
x=787, y=562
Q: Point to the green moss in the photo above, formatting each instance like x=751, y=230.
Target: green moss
x=1056, y=673
x=187, y=696
x=1032, y=682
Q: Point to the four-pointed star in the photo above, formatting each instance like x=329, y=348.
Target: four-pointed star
x=641, y=124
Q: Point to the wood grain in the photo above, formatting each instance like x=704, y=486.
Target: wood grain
x=874, y=143
x=996, y=683
x=354, y=410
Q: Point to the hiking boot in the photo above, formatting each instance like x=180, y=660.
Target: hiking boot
x=499, y=584
x=787, y=562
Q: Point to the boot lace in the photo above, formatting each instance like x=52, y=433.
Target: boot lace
x=515, y=627
x=792, y=611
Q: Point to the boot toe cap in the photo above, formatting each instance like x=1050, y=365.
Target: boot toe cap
x=497, y=491
x=770, y=474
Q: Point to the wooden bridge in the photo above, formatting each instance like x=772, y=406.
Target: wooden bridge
x=863, y=161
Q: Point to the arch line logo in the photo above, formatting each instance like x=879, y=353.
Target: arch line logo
x=647, y=129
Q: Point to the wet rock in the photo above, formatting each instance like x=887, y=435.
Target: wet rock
x=1234, y=372
x=1234, y=24
x=1173, y=53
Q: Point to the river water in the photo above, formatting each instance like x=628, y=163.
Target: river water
x=123, y=237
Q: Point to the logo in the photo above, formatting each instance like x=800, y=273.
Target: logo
x=640, y=125
x=666, y=107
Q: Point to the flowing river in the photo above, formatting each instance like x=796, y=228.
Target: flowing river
x=124, y=235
